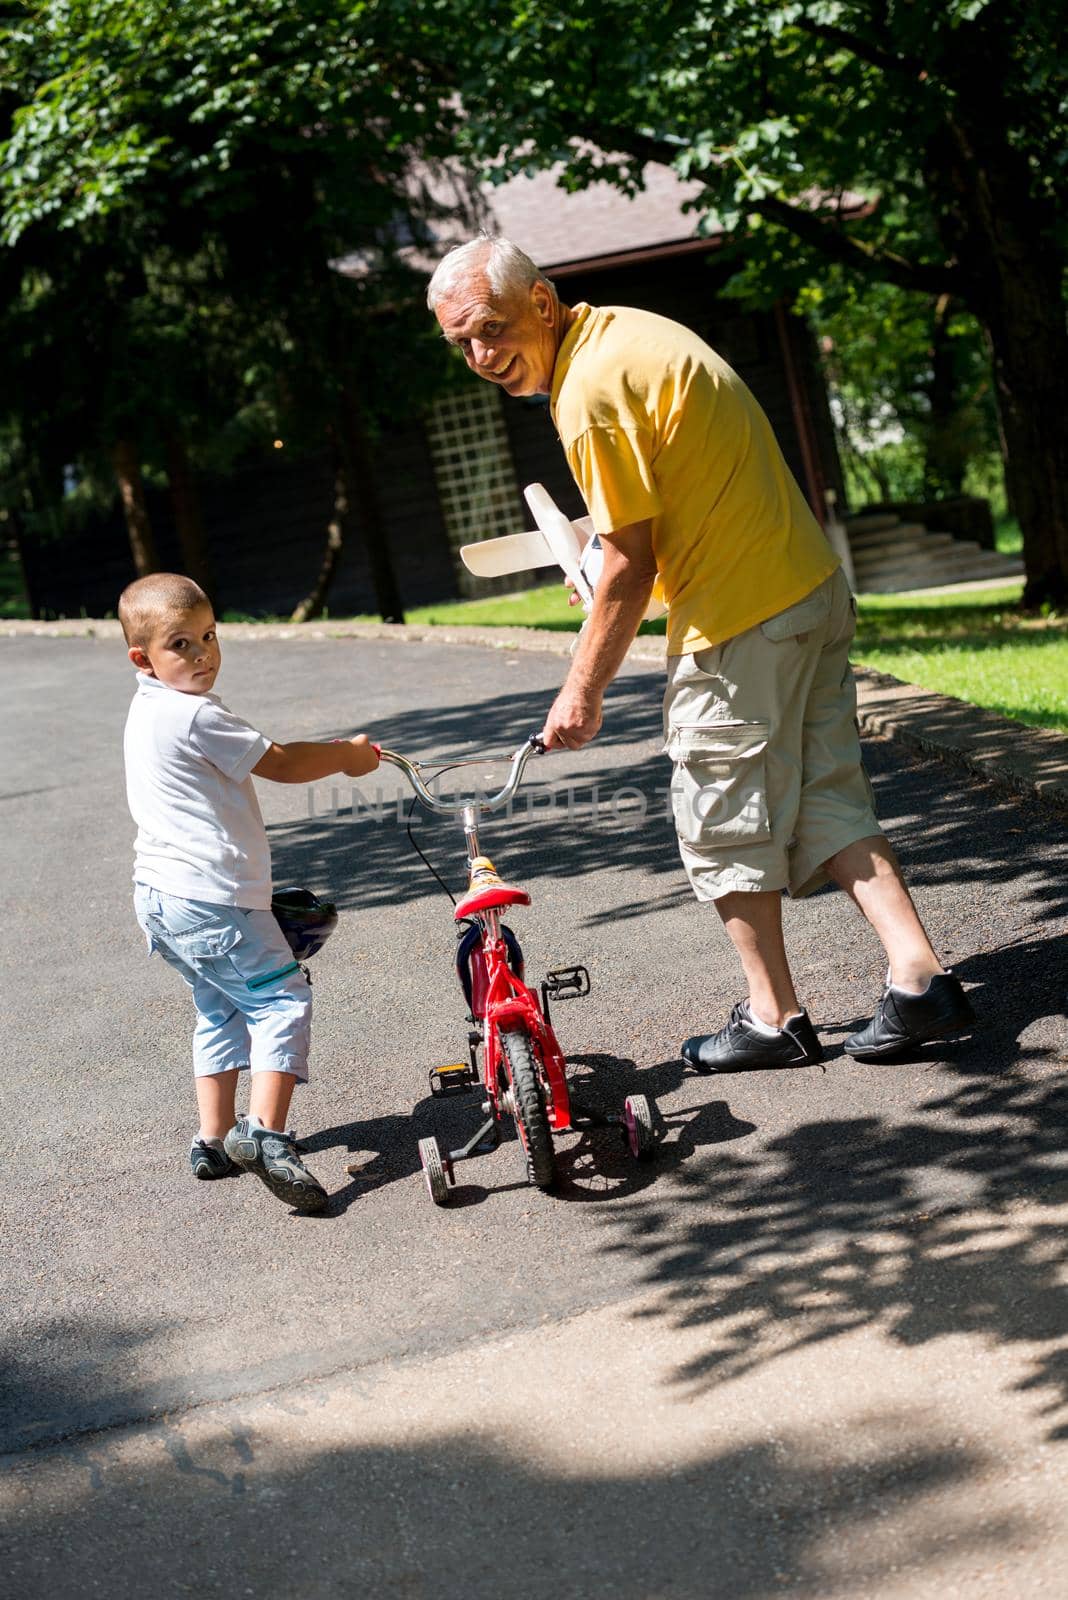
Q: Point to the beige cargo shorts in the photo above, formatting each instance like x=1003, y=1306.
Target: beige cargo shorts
x=768, y=781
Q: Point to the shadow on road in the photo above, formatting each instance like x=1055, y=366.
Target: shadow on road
x=906, y=1218
x=363, y=855
x=910, y=1225
x=466, y=1513
x=594, y=1164
x=850, y=1221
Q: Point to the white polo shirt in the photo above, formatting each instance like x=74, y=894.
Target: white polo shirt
x=200, y=834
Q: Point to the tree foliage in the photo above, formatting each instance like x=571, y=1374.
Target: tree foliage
x=174, y=170
x=911, y=387
x=919, y=143
x=175, y=185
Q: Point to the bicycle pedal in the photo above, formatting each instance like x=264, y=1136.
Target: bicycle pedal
x=567, y=983
x=457, y=1078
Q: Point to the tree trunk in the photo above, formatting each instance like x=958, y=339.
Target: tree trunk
x=185, y=504
x=1030, y=351
x=1004, y=233
x=944, y=454
x=312, y=604
x=357, y=464
x=127, y=466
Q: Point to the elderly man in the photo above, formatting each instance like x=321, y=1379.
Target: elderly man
x=688, y=489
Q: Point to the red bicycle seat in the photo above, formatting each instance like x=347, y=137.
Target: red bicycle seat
x=489, y=897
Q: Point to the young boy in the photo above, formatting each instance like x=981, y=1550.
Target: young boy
x=202, y=877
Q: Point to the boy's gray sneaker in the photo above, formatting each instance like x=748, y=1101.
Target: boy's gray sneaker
x=273, y=1157
x=209, y=1162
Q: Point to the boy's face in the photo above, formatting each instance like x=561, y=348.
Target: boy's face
x=183, y=651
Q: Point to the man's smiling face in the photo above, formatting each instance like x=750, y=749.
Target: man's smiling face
x=511, y=339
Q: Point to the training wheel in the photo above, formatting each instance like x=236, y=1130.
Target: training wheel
x=638, y=1122
x=433, y=1165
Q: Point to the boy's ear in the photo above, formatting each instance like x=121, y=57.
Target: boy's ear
x=139, y=659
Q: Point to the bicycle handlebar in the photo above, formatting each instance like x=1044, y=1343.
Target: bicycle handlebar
x=412, y=770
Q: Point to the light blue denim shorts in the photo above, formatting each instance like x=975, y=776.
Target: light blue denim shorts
x=252, y=999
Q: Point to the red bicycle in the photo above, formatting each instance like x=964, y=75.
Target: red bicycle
x=523, y=1071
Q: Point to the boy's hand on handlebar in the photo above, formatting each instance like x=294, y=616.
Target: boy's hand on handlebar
x=360, y=758
x=575, y=719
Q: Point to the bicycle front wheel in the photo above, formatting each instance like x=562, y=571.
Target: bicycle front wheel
x=528, y=1106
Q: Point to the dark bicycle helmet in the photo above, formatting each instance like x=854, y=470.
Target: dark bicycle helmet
x=306, y=921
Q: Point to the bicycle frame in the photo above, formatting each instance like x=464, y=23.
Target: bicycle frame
x=511, y=1002
x=525, y=1077
x=506, y=1000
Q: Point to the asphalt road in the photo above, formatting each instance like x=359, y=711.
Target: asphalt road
x=133, y=1293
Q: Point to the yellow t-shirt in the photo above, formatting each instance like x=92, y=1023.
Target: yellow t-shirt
x=656, y=425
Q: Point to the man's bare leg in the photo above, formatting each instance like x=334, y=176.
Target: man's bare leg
x=868, y=872
x=754, y=923
x=776, y=1032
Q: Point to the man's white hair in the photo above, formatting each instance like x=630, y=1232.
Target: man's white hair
x=507, y=268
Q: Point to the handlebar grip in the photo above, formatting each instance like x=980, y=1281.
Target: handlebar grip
x=537, y=744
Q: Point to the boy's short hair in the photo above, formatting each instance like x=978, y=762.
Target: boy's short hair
x=144, y=603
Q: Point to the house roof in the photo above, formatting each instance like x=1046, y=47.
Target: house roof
x=600, y=224
x=564, y=231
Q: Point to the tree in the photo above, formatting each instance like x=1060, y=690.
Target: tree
x=910, y=382
x=263, y=139
x=946, y=114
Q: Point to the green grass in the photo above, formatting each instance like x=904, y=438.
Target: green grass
x=977, y=646
x=532, y=608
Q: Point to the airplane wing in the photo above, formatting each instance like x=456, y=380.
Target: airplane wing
x=515, y=552
x=557, y=541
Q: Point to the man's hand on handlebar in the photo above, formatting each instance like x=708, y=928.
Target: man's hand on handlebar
x=575, y=719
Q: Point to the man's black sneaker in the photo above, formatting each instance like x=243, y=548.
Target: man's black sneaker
x=902, y=1020
x=273, y=1157
x=208, y=1162
x=739, y=1045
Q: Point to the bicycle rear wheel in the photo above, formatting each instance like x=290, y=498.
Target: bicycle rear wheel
x=528, y=1107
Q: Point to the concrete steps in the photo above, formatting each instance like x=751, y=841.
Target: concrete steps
x=889, y=555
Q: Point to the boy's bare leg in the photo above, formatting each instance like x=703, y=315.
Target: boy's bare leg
x=269, y=1098
x=215, y=1101
x=754, y=923
x=868, y=872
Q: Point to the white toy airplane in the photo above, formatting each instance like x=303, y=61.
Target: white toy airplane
x=556, y=542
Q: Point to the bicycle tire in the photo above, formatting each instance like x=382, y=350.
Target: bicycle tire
x=528, y=1107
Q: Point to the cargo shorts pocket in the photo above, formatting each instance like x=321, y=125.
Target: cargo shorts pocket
x=194, y=931
x=803, y=617
x=261, y=970
x=203, y=943
x=719, y=785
